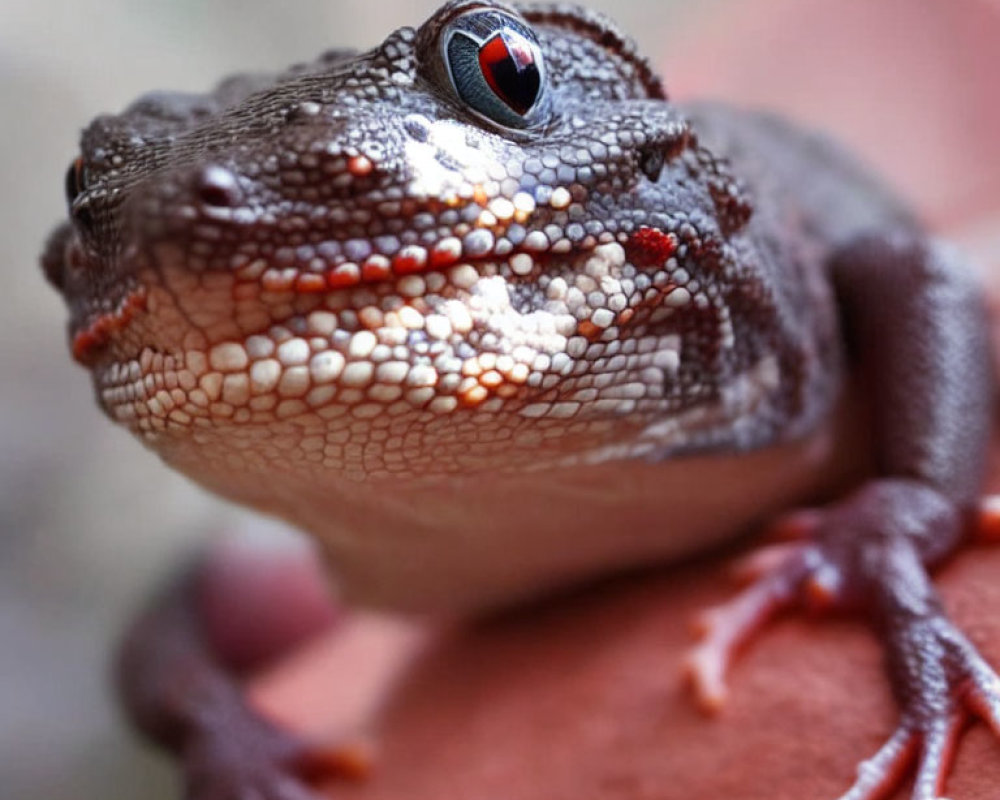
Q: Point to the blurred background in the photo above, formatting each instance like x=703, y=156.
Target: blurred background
x=89, y=521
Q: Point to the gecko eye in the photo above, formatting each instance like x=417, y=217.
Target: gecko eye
x=495, y=64
x=76, y=180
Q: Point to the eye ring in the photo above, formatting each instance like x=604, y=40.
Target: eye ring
x=495, y=65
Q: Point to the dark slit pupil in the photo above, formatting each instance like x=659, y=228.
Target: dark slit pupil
x=509, y=66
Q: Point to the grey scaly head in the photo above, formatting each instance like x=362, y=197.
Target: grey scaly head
x=480, y=239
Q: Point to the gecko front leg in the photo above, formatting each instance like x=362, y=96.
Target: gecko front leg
x=916, y=327
x=182, y=660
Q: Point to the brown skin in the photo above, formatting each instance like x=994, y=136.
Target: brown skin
x=485, y=351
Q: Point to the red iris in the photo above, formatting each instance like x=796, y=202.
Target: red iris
x=508, y=64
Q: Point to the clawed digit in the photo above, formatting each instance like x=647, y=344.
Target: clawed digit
x=941, y=680
x=879, y=775
x=776, y=576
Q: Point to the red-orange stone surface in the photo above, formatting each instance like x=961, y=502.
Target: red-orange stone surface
x=582, y=699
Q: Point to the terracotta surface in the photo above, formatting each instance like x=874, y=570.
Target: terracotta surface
x=582, y=699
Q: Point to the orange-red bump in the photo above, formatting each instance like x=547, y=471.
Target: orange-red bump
x=359, y=166
x=443, y=258
x=96, y=335
x=309, y=283
x=375, y=270
x=987, y=523
x=343, y=276
x=589, y=330
x=409, y=261
x=649, y=247
x=351, y=760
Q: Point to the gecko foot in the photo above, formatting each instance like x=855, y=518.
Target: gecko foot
x=869, y=552
x=940, y=689
x=254, y=760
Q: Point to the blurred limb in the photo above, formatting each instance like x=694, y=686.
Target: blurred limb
x=238, y=608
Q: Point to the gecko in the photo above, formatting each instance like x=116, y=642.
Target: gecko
x=488, y=315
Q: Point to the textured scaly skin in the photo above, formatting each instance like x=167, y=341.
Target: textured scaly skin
x=480, y=361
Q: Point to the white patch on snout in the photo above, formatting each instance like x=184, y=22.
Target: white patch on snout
x=540, y=330
x=431, y=178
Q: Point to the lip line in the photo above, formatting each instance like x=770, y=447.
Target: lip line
x=381, y=269
x=87, y=341
x=93, y=336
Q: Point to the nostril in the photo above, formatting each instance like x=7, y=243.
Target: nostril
x=651, y=162
x=217, y=187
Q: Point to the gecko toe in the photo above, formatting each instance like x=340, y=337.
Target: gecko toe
x=869, y=553
x=941, y=682
x=261, y=762
x=777, y=576
x=880, y=773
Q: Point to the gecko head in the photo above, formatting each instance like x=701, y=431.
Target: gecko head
x=484, y=236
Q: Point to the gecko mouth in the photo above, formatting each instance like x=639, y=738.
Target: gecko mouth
x=287, y=281
x=207, y=230
x=406, y=276
x=531, y=331
x=343, y=221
